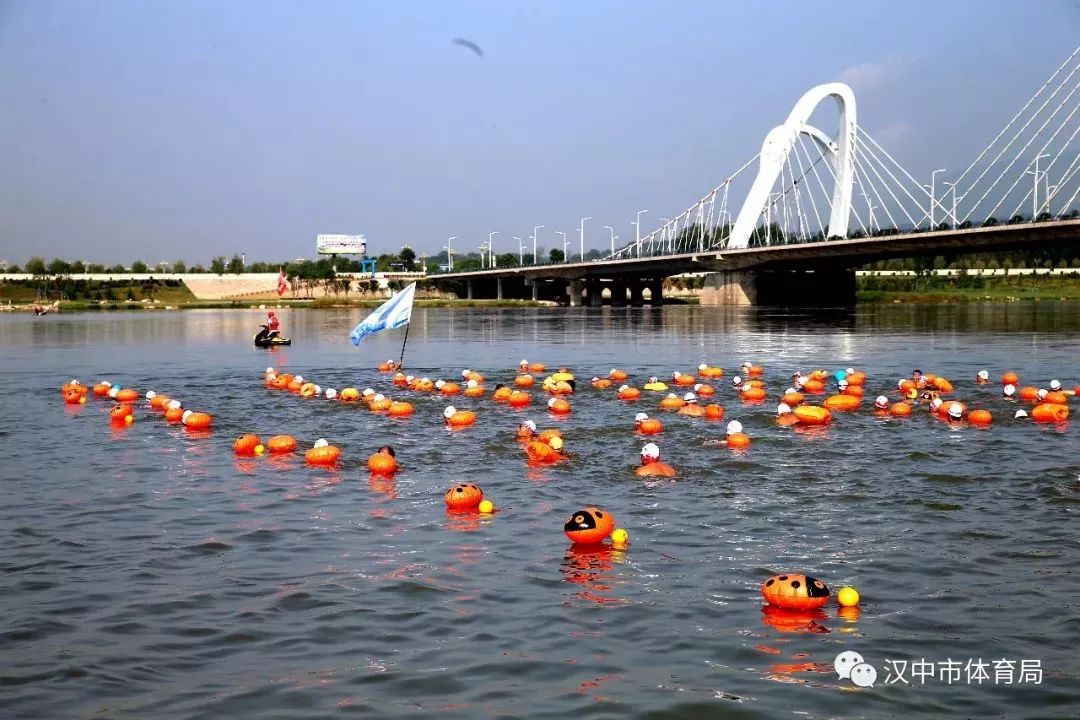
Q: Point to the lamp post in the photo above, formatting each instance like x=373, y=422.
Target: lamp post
x=1035, y=188
x=933, y=198
x=952, y=189
x=450, y=253
x=872, y=209
x=612, y=231
x=637, y=234
x=564, y=244
x=482, y=247
x=521, y=251
x=536, y=233
x=667, y=231
x=491, y=248
x=581, y=237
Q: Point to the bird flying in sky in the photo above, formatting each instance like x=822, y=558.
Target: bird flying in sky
x=469, y=44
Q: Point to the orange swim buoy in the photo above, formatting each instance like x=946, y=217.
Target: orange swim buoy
x=460, y=418
x=753, y=394
x=589, y=526
x=388, y=366
x=704, y=390
x=558, y=406
x=812, y=415
x=463, y=497
x=295, y=384
x=942, y=385
x=547, y=435
x=349, y=395
x=381, y=405
x=1010, y=378
x=174, y=414
x=280, y=444
x=841, y=402
x=519, y=399
x=629, y=393
x=1029, y=393
x=856, y=378
x=540, y=452
x=738, y=440
x=524, y=381
x=307, y=389
x=399, y=408
x=382, y=463
x=399, y=380
x=753, y=384
x=72, y=396
x=601, y=383
x=450, y=388
x=618, y=375
x=196, y=420
x=683, y=379
x=650, y=426
x=537, y=367
x=671, y=402
x=813, y=386
x=502, y=394
x=127, y=395
x=246, y=444
x=1050, y=412
x=853, y=390
x=474, y=391
x=795, y=592
x=980, y=417
x=754, y=371
x=158, y=402
x=900, y=409
x=714, y=412
x=819, y=375
x=120, y=412
x=793, y=399
x=101, y=389
x=322, y=454
x=1057, y=398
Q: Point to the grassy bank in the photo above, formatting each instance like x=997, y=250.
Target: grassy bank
x=966, y=288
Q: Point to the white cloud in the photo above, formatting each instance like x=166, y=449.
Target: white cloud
x=872, y=74
x=893, y=133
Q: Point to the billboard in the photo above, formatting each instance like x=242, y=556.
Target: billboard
x=340, y=245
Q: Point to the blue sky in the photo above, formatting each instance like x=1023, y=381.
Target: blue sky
x=183, y=130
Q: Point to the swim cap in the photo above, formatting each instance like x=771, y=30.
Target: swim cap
x=736, y=381
x=439, y=384
x=318, y=389
x=653, y=379
x=850, y=371
x=640, y=417
x=472, y=384
x=466, y=373
x=270, y=370
x=450, y=410
x=1020, y=414
x=556, y=443
x=840, y=375
x=783, y=409
x=528, y=424
x=1008, y=390
x=1055, y=385
x=368, y=391
x=702, y=366
x=114, y=391
x=331, y=393
x=174, y=405
x=882, y=402
x=185, y=416
x=378, y=397
x=935, y=404
x=955, y=411
x=984, y=375
x=150, y=394
x=409, y=378
x=675, y=375
x=747, y=363
x=841, y=383
x=900, y=383
x=650, y=451
x=623, y=387
x=106, y=383
x=299, y=378
x=1042, y=393
x=690, y=397
x=734, y=427
x=552, y=401
x=321, y=442
x=789, y=391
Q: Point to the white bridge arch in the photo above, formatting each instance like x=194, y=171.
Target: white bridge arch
x=778, y=145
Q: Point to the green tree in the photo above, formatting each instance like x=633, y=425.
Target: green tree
x=217, y=265
x=117, y=269
x=95, y=268
x=138, y=267
x=13, y=268
x=197, y=269
x=35, y=266
x=236, y=265
x=59, y=267
x=78, y=267
x=408, y=257
x=179, y=267
x=556, y=255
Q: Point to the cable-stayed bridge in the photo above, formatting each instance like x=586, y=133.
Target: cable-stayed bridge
x=790, y=223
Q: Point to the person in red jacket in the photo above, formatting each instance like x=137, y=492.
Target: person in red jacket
x=272, y=321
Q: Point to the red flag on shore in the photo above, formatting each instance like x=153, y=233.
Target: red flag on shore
x=281, y=286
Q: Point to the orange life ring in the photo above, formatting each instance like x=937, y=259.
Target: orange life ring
x=1010, y=378
x=738, y=440
x=589, y=526
x=324, y=455
x=519, y=399
x=382, y=463
x=1050, y=412
x=900, y=409
x=197, y=420
x=795, y=592
x=753, y=394
x=714, y=412
x=280, y=444
x=463, y=497
x=246, y=444
x=629, y=393
x=502, y=394
x=524, y=381
x=812, y=415
x=399, y=408
x=980, y=417
x=671, y=402
x=650, y=426
x=841, y=402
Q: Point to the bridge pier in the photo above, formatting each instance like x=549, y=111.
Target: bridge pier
x=574, y=291
x=594, y=291
x=656, y=292
x=730, y=288
x=813, y=288
x=637, y=299
x=468, y=289
x=618, y=293
x=498, y=289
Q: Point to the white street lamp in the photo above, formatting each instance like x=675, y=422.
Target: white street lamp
x=952, y=189
x=535, y=235
x=521, y=251
x=933, y=198
x=612, y=231
x=491, y=248
x=1035, y=189
x=637, y=234
x=564, y=244
x=450, y=253
x=581, y=235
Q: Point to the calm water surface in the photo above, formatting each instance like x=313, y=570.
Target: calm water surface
x=147, y=573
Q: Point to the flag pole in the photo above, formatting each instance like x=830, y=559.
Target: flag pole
x=402, y=358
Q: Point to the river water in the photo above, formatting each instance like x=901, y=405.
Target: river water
x=147, y=572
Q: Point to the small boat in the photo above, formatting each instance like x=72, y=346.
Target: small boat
x=265, y=338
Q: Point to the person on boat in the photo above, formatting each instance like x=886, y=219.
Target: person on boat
x=272, y=322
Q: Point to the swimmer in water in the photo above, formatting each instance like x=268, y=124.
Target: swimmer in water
x=691, y=407
x=918, y=379
x=651, y=465
x=784, y=415
x=983, y=377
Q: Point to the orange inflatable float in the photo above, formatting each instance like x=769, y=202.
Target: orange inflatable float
x=120, y=413
x=671, y=402
x=543, y=452
x=1056, y=397
x=537, y=367
x=158, y=402
x=174, y=412
x=448, y=388
x=380, y=404
x=853, y=390
x=280, y=444
x=683, y=379
x=589, y=526
x=714, y=412
x=647, y=425
x=558, y=406
x=900, y=409
x=1050, y=412
x=474, y=390
x=618, y=375
x=1010, y=378
x=323, y=453
x=502, y=394
x=812, y=415
x=463, y=497
x=753, y=371
x=738, y=440
x=127, y=395
x=980, y=417
x=793, y=398
x=388, y=366
x=245, y=444
x=309, y=389
x=941, y=384
x=102, y=389
x=753, y=394
x=524, y=381
x=383, y=462
x=72, y=396
x=399, y=380
x=795, y=592
x=196, y=420
x=349, y=395
x=842, y=403
x=704, y=390
x=601, y=383
x=399, y=408
x=458, y=418
x=629, y=393
x=813, y=386
x=1029, y=393
x=519, y=399
x=856, y=378
x=819, y=375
